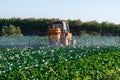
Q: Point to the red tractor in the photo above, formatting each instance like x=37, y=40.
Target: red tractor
x=59, y=34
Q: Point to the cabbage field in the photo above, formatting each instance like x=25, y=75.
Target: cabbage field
x=30, y=58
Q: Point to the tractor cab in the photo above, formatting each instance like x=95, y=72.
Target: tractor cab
x=59, y=33
x=62, y=25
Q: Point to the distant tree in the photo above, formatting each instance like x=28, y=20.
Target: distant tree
x=75, y=24
x=11, y=30
x=4, y=30
x=18, y=30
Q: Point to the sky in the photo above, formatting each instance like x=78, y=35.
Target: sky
x=85, y=10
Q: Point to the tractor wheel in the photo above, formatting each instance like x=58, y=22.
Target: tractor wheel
x=66, y=42
x=73, y=42
x=54, y=42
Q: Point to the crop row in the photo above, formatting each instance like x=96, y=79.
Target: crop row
x=61, y=63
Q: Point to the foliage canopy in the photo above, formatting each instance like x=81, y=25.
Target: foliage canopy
x=39, y=26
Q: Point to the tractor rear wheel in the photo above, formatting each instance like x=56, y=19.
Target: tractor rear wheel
x=73, y=42
x=64, y=41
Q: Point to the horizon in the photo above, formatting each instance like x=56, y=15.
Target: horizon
x=60, y=19
x=100, y=11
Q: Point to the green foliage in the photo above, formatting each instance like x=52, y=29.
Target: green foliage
x=34, y=26
x=18, y=30
x=11, y=31
x=63, y=63
x=4, y=30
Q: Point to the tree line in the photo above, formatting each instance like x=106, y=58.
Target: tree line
x=11, y=30
x=39, y=26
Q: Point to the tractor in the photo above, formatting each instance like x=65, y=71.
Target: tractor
x=59, y=34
